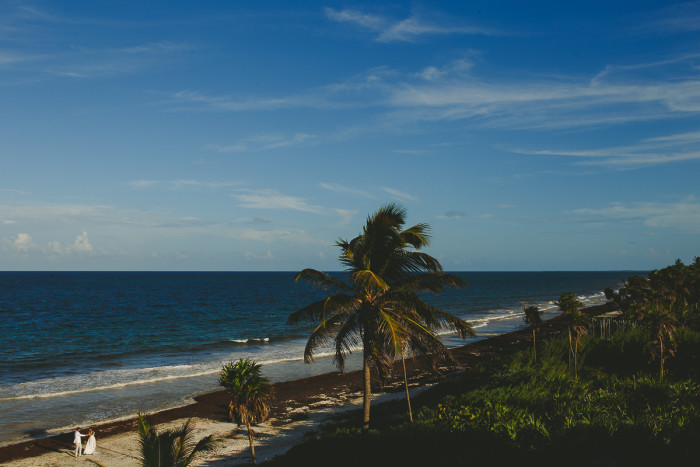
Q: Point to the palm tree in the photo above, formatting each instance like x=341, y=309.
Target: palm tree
x=570, y=307
x=250, y=393
x=662, y=324
x=533, y=318
x=380, y=310
x=171, y=448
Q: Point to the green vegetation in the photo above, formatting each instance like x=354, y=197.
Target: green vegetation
x=170, y=448
x=250, y=393
x=533, y=318
x=619, y=407
x=381, y=310
x=570, y=307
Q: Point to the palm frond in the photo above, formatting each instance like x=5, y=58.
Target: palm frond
x=417, y=236
x=432, y=282
x=322, y=309
x=368, y=280
x=347, y=338
x=323, y=334
x=321, y=280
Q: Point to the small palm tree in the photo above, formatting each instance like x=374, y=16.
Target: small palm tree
x=534, y=319
x=171, y=448
x=251, y=394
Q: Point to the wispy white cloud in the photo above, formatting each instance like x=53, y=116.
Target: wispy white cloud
x=13, y=191
x=682, y=215
x=272, y=199
x=365, y=20
x=344, y=189
x=257, y=257
x=652, y=91
x=275, y=236
x=29, y=56
x=189, y=100
x=649, y=151
x=453, y=215
x=677, y=19
x=180, y=184
x=412, y=28
x=346, y=215
x=407, y=29
x=264, y=142
x=400, y=195
x=457, y=68
x=90, y=62
x=62, y=216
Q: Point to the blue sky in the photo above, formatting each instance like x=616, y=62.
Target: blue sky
x=251, y=135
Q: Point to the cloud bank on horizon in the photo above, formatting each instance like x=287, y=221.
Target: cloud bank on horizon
x=251, y=137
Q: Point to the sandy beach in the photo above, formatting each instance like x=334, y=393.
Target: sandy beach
x=299, y=408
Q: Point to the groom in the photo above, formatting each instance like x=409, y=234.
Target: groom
x=77, y=439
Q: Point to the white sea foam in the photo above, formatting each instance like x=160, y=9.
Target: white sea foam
x=252, y=339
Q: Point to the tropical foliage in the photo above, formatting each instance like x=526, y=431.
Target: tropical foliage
x=508, y=412
x=251, y=395
x=170, y=448
x=505, y=411
x=534, y=320
x=381, y=310
x=663, y=302
x=570, y=307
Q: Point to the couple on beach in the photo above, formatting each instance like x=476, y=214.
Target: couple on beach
x=90, y=446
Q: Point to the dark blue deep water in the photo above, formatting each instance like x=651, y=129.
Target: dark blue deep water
x=84, y=347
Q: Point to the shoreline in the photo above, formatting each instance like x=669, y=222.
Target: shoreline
x=297, y=399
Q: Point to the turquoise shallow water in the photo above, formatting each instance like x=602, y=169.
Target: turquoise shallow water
x=81, y=347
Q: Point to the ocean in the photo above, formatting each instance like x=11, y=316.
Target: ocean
x=79, y=348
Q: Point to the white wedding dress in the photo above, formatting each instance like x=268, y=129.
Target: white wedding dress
x=90, y=446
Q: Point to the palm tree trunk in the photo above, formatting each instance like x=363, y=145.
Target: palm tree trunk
x=405, y=382
x=576, y=359
x=534, y=343
x=571, y=351
x=250, y=438
x=661, y=357
x=368, y=393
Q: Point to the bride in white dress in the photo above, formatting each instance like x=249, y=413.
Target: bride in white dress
x=91, y=444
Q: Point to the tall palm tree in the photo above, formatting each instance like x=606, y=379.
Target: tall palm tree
x=171, y=448
x=662, y=324
x=534, y=319
x=570, y=307
x=251, y=394
x=380, y=310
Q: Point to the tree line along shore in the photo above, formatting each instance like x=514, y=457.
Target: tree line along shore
x=657, y=421
x=552, y=393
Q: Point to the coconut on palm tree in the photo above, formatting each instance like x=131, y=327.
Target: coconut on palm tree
x=534, y=319
x=250, y=392
x=171, y=448
x=379, y=310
